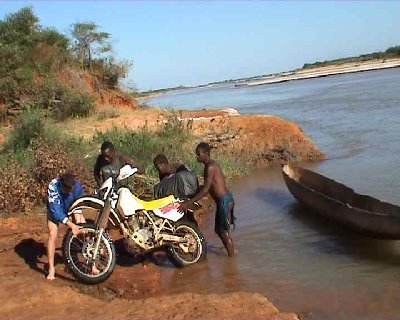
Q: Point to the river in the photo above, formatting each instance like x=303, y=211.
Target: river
x=300, y=261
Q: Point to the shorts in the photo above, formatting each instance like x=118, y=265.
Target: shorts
x=225, y=217
x=50, y=218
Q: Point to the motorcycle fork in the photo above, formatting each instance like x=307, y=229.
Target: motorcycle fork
x=101, y=224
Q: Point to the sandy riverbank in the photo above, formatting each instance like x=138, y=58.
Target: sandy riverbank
x=323, y=72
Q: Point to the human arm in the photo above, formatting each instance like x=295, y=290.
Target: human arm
x=208, y=181
x=75, y=228
x=128, y=160
x=56, y=208
x=96, y=170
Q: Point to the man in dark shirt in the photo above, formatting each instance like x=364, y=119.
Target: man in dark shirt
x=109, y=162
x=181, y=182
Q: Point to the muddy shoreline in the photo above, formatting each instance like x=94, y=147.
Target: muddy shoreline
x=133, y=291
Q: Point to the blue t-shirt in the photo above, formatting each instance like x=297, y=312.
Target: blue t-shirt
x=58, y=202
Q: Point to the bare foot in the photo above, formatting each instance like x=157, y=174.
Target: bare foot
x=95, y=271
x=51, y=275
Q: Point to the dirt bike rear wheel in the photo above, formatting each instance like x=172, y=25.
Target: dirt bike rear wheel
x=190, y=251
x=78, y=253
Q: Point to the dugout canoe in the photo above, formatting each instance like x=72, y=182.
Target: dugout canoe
x=342, y=204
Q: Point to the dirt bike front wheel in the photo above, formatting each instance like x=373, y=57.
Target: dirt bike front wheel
x=79, y=254
x=191, y=249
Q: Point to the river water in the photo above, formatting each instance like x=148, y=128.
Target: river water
x=300, y=261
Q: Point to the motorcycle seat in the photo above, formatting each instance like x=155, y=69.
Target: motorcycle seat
x=152, y=204
x=156, y=204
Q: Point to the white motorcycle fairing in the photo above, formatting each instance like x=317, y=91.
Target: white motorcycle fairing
x=166, y=208
x=170, y=212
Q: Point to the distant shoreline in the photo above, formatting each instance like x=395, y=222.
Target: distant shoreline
x=319, y=72
x=299, y=74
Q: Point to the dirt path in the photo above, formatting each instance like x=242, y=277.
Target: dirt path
x=130, y=293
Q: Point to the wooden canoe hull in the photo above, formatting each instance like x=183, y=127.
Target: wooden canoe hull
x=340, y=203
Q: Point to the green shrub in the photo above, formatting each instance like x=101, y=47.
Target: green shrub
x=63, y=102
x=31, y=126
x=74, y=104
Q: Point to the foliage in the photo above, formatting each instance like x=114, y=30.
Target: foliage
x=52, y=159
x=37, y=152
x=111, y=71
x=33, y=58
x=31, y=126
x=94, y=52
x=26, y=50
x=17, y=189
x=172, y=138
x=392, y=52
x=89, y=42
x=63, y=102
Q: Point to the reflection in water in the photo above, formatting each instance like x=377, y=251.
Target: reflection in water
x=301, y=261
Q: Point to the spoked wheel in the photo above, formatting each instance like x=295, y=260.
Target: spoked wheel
x=192, y=247
x=79, y=254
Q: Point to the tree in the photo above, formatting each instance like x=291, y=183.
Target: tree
x=89, y=42
x=19, y=27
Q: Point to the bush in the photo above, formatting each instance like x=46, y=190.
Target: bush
x=63, y=102
x=74, y=104
x=18, y=192
x=31, y=127
x=111, y=72
x=52, y=159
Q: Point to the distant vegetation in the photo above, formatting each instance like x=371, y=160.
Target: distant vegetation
x=34, y=58
x=147, y=93
x=392, y=52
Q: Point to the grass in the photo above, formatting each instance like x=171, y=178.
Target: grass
x=38, y=148
x=107, y=113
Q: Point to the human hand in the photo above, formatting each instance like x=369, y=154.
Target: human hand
x=75, y=229
x=184, y=205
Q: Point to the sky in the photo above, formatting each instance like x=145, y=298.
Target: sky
x=173, y=43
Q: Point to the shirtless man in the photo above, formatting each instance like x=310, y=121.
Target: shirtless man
x=214, y=183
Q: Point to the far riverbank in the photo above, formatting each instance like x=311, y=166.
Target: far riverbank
x=322, y=72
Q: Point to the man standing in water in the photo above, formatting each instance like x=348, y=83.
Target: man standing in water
x=214, y=183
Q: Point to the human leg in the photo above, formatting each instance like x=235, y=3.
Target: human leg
x=223, y=221
x=51, y=248
x=227, y=241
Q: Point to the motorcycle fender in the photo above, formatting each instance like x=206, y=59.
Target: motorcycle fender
x=89, y=202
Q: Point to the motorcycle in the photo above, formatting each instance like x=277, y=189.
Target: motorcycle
x=145, y=225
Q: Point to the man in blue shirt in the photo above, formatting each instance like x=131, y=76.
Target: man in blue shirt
x=62, y=192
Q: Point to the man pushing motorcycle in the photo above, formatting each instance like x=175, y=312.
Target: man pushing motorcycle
x=214, y=183
x=62, y=192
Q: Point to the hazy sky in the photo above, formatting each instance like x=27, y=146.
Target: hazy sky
x=174, y=43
